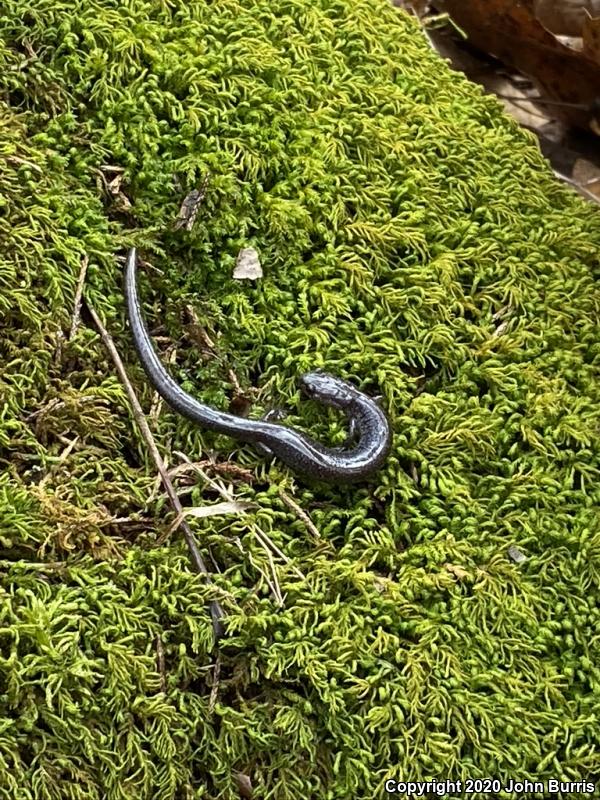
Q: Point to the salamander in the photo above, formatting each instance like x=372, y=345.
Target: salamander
x=369, y=424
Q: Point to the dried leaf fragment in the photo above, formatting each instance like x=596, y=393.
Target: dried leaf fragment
x=591, y=36
x=218, y=509
x=517, y=556
x=244, y=784
x=247, y=266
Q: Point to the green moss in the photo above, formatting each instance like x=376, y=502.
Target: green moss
x=414, y=241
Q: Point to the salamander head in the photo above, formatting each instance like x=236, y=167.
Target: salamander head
x=327, y=389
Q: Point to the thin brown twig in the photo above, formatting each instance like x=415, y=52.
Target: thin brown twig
x=290, y=503
x=577, y=186
x=228, y=497
x=23, y=162
x=234, y=380
x=257, y=530
x=157, y=481
x=215, y=687
x=224, y=467
x=195, y=555
x=79, y=296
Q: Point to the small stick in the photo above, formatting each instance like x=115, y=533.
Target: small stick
x=215, y=687
x=190, y=206
x=577, y=186
x=236, y=384
x=225, y=467
x=79, y=296
x=262, y=537
x=22, y=161
x=290, y=503
x=216, y=611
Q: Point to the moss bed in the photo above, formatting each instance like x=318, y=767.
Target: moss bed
x=414, y=241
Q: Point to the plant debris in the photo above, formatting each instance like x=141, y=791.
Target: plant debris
x=247, y=265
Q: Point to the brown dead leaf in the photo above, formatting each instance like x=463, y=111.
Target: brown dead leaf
x=244, y=784
x=511, y=31
x=188, y=211
x=565, y=17
x=122, y=202
x=585, y=173
x=591, y=37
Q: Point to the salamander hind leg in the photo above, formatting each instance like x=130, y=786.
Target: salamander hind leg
x=273, y=415
x=352, y=434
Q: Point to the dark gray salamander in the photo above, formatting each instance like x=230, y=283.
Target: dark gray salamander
x=301, y=453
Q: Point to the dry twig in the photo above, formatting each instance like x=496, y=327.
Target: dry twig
x=290, y=503
x=263, y=539
x=577, y=186
x=215, y=687
x=190, y=206
x=195, y=555
x=79, y=296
